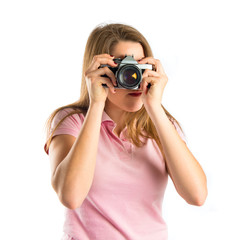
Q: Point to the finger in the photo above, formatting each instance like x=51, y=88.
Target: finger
x=147, y=75
x=109, y=84
x=150, y=73
x=108, y=72
x=99, y=60
x=155, y=62
x=144, y=86
x=150, y=81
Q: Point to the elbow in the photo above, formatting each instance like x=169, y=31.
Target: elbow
x=199, y=198
x=70, y=205
x=68, y=199
x=70, y=202
x=197, y=202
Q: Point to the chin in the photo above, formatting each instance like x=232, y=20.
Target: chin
x=124, y=104
x=132, y=108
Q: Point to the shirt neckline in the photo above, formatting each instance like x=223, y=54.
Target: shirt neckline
x=106, y=118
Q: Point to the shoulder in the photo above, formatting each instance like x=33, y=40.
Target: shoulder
x=67, y=121
x=67, y=115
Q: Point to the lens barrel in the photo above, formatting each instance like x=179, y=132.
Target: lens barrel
x=129, y=76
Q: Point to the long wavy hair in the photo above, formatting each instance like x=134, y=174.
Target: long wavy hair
x=102, y=40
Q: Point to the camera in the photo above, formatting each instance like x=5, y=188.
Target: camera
x=128, y=72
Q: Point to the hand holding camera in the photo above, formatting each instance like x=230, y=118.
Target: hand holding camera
x=157, y=79
x=94, y=78
x=128, y=72
x=106, y=73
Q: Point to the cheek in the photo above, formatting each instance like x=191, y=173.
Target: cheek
x=115, y=97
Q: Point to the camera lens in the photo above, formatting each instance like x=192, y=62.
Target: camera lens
x=129, y=76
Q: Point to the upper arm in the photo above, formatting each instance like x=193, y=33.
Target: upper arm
x=58, y=149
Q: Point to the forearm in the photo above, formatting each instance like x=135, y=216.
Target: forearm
x=74, y=175
x=185, y=171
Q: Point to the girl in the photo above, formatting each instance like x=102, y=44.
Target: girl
x=111, y=151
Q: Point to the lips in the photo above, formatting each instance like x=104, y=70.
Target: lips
x=135, y=94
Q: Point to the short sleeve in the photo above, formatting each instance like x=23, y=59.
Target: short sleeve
x=180, y=132
x=71, y=125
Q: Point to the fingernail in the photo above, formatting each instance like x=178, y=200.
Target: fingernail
x=111, y=55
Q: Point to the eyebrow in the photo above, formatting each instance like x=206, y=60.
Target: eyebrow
x=123, y=56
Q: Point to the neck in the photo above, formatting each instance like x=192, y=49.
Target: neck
x=117, y=115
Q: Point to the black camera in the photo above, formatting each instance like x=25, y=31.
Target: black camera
x=128, y=72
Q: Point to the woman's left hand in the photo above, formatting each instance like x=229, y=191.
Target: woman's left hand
x=156, y=79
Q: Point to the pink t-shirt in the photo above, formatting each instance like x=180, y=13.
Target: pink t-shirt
x=125, y=199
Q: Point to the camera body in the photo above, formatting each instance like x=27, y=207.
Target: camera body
x=128, y=72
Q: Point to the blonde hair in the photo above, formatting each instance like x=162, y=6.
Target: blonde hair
x=102, y=40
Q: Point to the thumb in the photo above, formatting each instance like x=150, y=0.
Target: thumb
x=145, y=86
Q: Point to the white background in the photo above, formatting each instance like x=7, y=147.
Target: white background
x=41, y=50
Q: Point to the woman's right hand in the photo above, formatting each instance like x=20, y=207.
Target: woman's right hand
x=94, y=78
